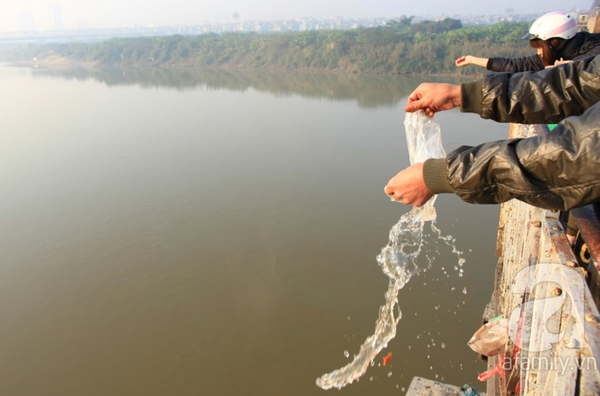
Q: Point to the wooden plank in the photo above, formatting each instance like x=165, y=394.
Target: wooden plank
x=501, y=226
x=563, y=354
x=494, y=384
x=552, y=365
x=580, y=359
x=589, y=383
x=491, y=309
x=522, y=250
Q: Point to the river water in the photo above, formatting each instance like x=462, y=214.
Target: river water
x=216, y=232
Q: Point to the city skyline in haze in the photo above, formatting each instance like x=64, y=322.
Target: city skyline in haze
x=20, y=15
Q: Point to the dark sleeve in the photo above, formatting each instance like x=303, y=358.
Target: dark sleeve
x=547, y=96
x=588, y=47
x=560, y=170
x=590, y=52
x=515, y=65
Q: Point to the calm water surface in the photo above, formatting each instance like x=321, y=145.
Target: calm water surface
x=215, y=233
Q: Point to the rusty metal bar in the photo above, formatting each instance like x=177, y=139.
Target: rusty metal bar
x=587, y=219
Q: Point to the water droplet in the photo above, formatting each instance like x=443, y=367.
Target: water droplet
x=346, y=354
x=465, y=290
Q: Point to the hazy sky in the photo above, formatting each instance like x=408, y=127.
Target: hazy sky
x=114, y=13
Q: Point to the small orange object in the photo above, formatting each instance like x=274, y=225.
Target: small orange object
x=387, y=359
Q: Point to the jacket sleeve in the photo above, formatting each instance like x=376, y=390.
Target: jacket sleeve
x=589, y=53
x=559, y=170
x=547, y=96
x=515, y=65
x=590, y=46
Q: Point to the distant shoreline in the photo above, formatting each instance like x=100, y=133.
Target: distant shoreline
x=400, y=48
x=61, y=63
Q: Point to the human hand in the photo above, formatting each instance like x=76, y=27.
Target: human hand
x=471, y=60
x=559, y=62
x=409, y=187
x=431, y=98
x=463, y=61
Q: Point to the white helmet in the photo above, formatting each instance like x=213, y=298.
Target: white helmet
x=553, y=24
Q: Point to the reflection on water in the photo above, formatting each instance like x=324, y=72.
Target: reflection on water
x=367, y=91
x=217, y=235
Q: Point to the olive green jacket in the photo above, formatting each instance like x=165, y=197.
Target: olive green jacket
x=560, y=170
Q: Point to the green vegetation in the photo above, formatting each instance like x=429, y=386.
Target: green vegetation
x=401, y=47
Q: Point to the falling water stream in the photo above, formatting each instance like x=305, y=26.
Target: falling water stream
x=398, y=259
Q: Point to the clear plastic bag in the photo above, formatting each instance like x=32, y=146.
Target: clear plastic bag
x=491, y=338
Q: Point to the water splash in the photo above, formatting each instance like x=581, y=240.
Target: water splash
x=398, y=259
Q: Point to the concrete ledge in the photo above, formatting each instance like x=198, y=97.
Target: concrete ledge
x=424, y=387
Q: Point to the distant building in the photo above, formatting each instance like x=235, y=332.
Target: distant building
x=590, y=21
x=82, y=32
x=582, y=22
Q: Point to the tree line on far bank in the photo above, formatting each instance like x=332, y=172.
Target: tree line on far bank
x=400, y=47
